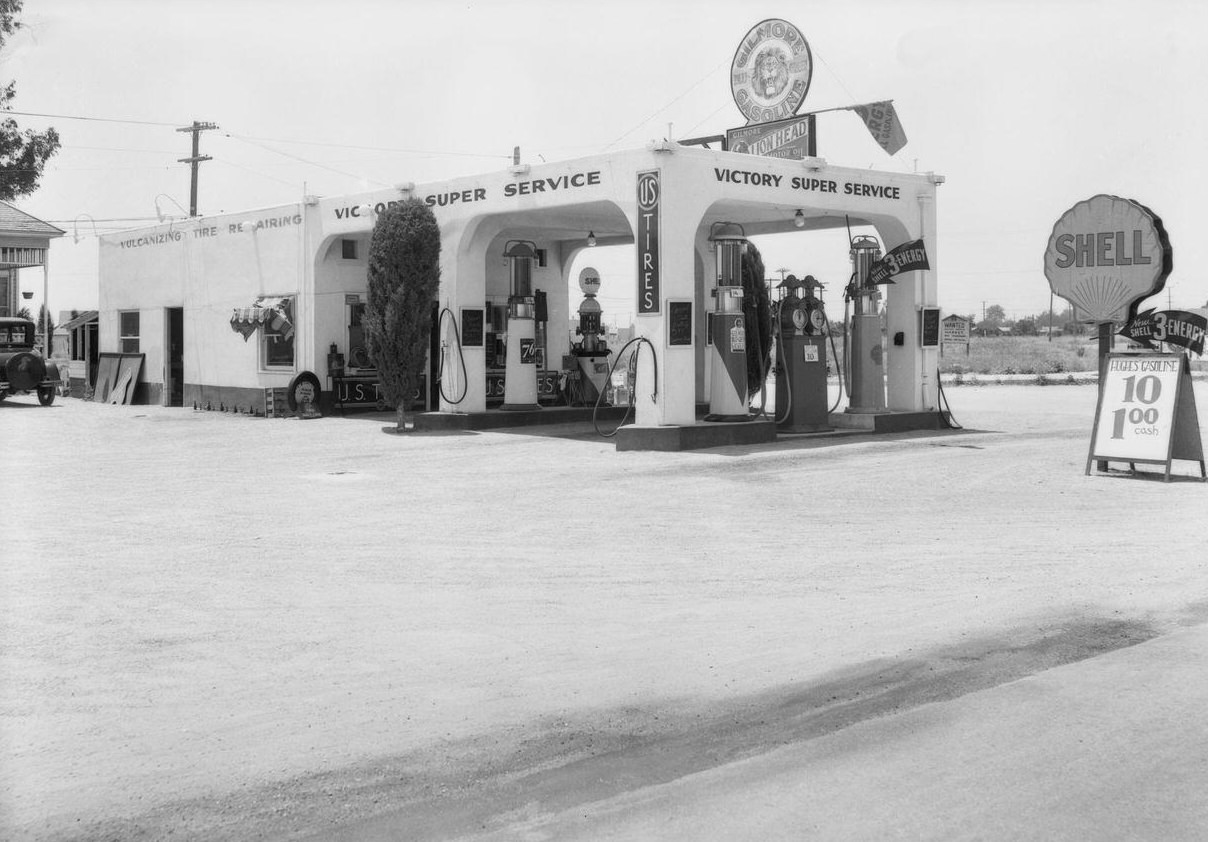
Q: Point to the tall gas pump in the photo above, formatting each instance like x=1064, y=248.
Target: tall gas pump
x=728, y=376
x=520, y=368
x=591, y=351
x=801, y=399
x=865, y=356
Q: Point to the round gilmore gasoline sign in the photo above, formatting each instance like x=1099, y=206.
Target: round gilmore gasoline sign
x=1104, y=254
x=771, y=71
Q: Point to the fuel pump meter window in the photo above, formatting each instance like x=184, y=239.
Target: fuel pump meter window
x=277, y=336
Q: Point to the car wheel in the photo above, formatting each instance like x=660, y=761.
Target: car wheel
x=46, y=395
x=303, y=389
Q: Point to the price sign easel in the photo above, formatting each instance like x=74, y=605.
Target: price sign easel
x=1146, y=413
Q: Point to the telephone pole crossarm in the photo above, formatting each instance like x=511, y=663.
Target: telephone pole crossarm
x=196, y=158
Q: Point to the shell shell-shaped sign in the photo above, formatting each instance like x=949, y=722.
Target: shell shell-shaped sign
x=1105, y=254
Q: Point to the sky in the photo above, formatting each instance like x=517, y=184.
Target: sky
x=1025, y=108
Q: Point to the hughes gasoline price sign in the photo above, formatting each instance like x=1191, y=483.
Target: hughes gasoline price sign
x=1146, y=412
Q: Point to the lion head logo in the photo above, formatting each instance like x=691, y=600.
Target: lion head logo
x=771, y=72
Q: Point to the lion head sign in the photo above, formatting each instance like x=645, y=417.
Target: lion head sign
x=1105, y=255
x=771, y=71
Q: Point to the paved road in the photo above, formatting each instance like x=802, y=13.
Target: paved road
x=230, y=628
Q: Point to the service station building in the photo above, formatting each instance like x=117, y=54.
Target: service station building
x=227, y=307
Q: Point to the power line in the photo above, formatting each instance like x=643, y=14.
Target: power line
x=89, y=119
x=370, y=148
x=303, y=160
x=689, y=90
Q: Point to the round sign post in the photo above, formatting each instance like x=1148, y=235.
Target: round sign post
x=1106, y=254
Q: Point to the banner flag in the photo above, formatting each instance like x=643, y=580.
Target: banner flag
x=882, y=122
x=905, y=258
x=1174, y=327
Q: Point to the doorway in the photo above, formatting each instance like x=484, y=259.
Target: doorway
x=174, y=375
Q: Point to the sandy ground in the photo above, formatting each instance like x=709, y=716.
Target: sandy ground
x=223, y=627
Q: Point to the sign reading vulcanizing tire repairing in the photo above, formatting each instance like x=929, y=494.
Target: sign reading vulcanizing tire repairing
x=649, y=197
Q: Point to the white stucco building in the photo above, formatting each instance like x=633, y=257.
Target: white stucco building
x=292, y=279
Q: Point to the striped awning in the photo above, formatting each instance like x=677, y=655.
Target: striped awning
x=273, y=311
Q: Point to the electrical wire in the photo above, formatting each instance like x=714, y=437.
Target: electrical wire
x=689, y=90
x=91, y=119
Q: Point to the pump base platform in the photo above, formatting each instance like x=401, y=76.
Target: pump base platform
x=888, y=421
x=695, y=437
x=498, y=418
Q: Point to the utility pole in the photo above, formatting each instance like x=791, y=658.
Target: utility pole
x=197, y=128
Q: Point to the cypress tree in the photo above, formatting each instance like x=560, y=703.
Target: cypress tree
x=404, y=278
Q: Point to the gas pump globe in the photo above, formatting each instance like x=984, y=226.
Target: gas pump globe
x=866, y=365
x=520, y=369
x=591, y=351
x=728, y=374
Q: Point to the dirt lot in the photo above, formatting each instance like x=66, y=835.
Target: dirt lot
x=225, y=627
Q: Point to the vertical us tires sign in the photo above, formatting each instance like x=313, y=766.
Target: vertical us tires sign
x=649, y=199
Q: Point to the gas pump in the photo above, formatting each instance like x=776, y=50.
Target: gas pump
x=591, y=351
x=520, y=367
x=801, y=400
x=865, y=357
x=728, y=376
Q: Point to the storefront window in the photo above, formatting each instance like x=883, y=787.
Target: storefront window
x=277, y=337
x=129, y=331
x=358, y=353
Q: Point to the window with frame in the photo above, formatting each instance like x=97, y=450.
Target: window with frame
x=128, y=331
x=358, y=348
x=277, y=336
x=348, y=249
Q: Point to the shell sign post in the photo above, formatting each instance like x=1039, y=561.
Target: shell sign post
x=1106, y=255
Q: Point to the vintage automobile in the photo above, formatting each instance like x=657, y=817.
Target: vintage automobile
x=22, y=368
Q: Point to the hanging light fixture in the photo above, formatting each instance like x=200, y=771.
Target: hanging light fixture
x=591, y=238
x=799, y=219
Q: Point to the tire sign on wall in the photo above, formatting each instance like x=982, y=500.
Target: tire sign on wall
x=1146, y=412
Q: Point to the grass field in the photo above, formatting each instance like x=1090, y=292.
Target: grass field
x=1022, y=355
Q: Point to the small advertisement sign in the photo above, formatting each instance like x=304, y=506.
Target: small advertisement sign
x=793, y=139
x=955, y=330
x=905, y=258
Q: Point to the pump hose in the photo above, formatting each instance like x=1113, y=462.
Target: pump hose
x=846, y=339
x=600, y=397
x=440, y=375
x=763, y=388
x=945, y=410
x=838, y=368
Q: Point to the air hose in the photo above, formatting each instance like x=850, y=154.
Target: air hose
x=440, y=376
x=637, y=340
x=838, y=368
x=945, y=410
